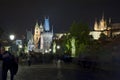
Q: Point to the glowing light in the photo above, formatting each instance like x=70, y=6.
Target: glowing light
x=50, y=49
x=58, y=47
x=73, y=47
x=20, y=46
x=12, y=37
x=95, y=34
x=46, y=51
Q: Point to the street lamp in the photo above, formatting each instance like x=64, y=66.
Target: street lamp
x=58, y=49
x=12, y=37
x=20, y=46
x=58, y=46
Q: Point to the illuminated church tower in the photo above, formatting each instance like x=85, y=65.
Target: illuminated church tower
x=43, y=36
x=46, y=36
x=46, y=24
x=36, y=35
x=101, y=27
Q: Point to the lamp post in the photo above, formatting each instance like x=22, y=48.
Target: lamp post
x=12, y=37
x=58, y=51
x=58, y=47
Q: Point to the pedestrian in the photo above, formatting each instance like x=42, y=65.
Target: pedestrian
x=29, y=59
x=9, y=63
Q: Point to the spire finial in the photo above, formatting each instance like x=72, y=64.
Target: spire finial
x=103, y=16
x=109, y=20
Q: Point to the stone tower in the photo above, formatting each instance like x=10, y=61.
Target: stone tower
x=36, y=35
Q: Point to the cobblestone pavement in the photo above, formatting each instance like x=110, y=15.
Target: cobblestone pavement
x=64, y=72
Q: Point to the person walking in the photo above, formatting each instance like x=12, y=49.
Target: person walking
x=29, y=59
x=8, y=64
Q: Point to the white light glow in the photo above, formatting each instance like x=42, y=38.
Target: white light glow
x=12, y=37
x=58, y=47
x=50, y=49
x=95, y=34
x=20, y=46
x=46, y=51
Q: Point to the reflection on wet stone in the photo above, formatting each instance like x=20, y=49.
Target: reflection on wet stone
x=59, y=74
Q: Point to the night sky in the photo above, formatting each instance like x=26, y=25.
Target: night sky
x=18, y=15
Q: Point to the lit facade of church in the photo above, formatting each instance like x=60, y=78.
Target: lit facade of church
x=101, y=27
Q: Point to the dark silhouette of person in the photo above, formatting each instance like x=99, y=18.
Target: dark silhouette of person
x=29, y=59
x=8, y=64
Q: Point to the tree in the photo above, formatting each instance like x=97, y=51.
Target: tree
x=65, y=43
x=80, y=31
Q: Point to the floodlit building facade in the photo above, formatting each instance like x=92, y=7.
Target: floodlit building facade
x=42, y=37
x=101, y=27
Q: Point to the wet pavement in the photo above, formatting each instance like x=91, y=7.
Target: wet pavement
x=63, y=72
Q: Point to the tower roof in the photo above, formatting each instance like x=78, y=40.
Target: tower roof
x=41, y=26
x=36, y=25
x=46, y=24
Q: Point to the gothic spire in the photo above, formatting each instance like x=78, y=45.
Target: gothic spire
x=103, y=16
x=109, y=20
x=46, y=24
x=95, y=25
x=36, y=25
x=41, y=27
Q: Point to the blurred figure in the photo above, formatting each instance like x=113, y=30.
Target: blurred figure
x=8, y=64
x=59, y=64
x=29, y=59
